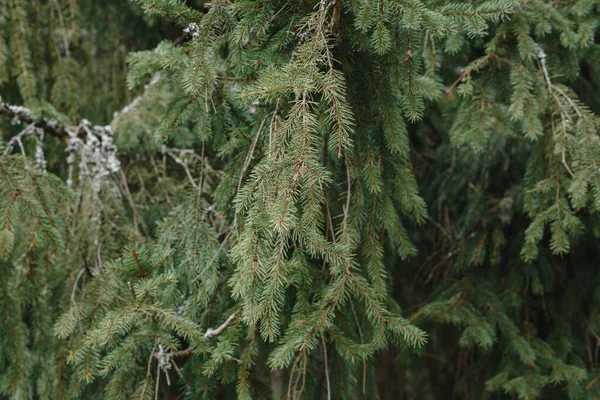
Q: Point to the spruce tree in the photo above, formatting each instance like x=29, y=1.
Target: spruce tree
x=353, y=199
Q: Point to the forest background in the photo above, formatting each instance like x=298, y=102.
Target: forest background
x=347, y=199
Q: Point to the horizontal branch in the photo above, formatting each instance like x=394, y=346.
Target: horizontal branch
x=472, y=13
x=52, y=127
x=175, y=354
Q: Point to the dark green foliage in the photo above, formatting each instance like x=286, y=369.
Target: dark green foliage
x=312, y=199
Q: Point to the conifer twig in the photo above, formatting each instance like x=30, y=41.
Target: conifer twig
x=592, y=382
x=542, y=58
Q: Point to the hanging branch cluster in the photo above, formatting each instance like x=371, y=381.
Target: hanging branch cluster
x=320, y=180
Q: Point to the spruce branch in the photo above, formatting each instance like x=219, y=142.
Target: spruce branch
x=542, y=57
x=319, y=206
x=563, y=112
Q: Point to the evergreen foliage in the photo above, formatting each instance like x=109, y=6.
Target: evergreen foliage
x=299, y=199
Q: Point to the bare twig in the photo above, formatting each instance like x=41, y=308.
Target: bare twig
x=214, y=332
x=326, y=368
x=563, y=112
x=182, y=162
x=272, y=125
x=346, y=208
x=362, y=341
x=570, y=101
x=209, y=333
x=542, y=57
x=130, y=286
x=176, y=354
x=202, y=162
x=64, y=28
x=247, y=162
x=129, y=197
x=18, y=138
x=563, y=157
x=75, y=285
x=441, y=229
x=157, y=381
x=592, y=382
x=210, y=264
x=152, y=354
x=174, y=364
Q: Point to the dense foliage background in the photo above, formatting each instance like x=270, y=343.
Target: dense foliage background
x=394, y=199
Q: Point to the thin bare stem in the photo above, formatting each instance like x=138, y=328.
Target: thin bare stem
x=79, y=275
x=157, y=381
x=214, y=332
x=247, y=162
x=148, y=374
x=326, y=368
